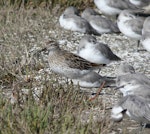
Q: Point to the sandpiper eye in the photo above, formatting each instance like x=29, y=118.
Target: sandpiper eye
x=118, y=81
x=131, y=16
x=93, y=41
x=130, y=83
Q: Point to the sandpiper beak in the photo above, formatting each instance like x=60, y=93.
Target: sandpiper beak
x=118, y=87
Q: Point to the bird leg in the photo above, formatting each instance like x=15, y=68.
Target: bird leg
x=99, y=70
x=141, y=129
x=98, y=92
x=138, y=45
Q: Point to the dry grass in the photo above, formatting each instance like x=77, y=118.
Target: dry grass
x=32, y=99
x=45, y=3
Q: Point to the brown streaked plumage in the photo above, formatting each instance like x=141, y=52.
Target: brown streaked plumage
x=68, y=64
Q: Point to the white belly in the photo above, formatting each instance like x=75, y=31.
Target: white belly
x=102, y=5
x=127, y=30
x=116, y=113
x=66, y=71
x=136, y=2
x=93, y=55
x=70, y=24
x=128, y=90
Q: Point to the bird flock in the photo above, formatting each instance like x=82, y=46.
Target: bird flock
x=131, y=20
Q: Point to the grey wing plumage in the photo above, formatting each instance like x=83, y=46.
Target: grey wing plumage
x=109, y=81
x=105, y=50
x=100, y=21
x=91, y=77
x=83, y=23
x=145, y=35
x=104, y=23
x=122, y=4
x=122, y=102
x=146, y=27
x=147, y=114
x=138, y=107
x=114, y=27
x=138, y=78
x=137, y=25
x=141, y=78
x=95, y=77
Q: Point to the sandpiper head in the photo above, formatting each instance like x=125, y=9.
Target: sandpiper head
x=126, y=80
x=126, y=14
x=88, y=40
x=87, y=12
x=51, y=45
x=125, y=68
x=71, y=10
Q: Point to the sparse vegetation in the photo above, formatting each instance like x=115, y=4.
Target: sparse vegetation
x=56, y=110
x=46, y=3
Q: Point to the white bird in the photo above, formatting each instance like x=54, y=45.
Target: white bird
x=94, y=80
x=113, y=7
x=130, y=24
x=132, y=85
x=68, y=64
x=99, y=23
x=96, y=52
x=124, y=69
x=136, y=95
x=146, y=34
x=70, y=20
x=130, y=82
x=136, y=107
x=140, y=3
